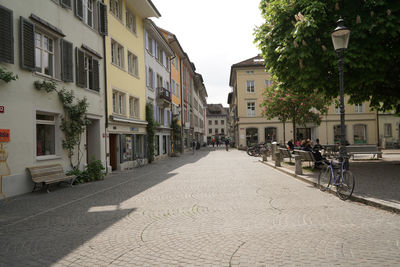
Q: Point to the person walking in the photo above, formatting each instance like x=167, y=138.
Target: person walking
x=213, y=142
x=194, y=145
x=227, y=144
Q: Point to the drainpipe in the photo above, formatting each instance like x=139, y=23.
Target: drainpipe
x=181, y=92
x=106, y=98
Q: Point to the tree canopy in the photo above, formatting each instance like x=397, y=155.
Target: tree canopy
x=286, y=104
x=296, y=44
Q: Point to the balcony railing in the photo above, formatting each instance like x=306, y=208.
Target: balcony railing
x=163, y=93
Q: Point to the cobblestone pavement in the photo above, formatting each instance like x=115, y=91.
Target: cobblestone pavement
x=214, y=208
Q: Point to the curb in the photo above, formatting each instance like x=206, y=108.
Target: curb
x=354, y=197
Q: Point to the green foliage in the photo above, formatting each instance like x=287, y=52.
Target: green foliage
x=73, y=123
x=7, y=76
x=296, y=44
x=94, y=171
x=286, y=105
x=150, y=132
x=176, y=135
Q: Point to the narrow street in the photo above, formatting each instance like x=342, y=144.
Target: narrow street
x=214, y=208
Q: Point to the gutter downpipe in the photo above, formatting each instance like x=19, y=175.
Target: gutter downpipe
x=106, y=99
x=181, y=92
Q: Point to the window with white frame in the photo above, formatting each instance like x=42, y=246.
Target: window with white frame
x=44, y=54
x=89, y=71
x=159, y=81
x=210, y=131
x=88, y=12
x=216, y=122
x=173, y=87
x=151, y=78
x=133, y=107
x=249, y=72
x=116, y=8
x=209, y=122
x=359, y=108
x=250, y=86
x=133, y=64
x=216, y=131
x=251, y=108
x=45, y=134
x=117, y=54
x=177, y=89
x=130, y=21
x=159, y=54
x=150, y=45
x=222, y=122
x=387, y=129
x=118, y=102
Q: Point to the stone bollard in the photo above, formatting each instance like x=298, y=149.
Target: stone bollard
x=277, y=159
x=379, y=156
x=299, y=169
x=274, y=149
x=265, y=155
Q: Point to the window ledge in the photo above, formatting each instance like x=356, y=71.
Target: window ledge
x=119, y=67
x=47, y=157
x=134, y=75
x=44, y=76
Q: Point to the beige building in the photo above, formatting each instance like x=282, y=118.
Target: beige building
x=248, y=80
x=217, y=122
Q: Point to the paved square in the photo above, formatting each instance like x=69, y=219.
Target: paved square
x=214, y=208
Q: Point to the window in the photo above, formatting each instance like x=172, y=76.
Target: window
x=337, y=134
x=250, y=86
x=216, y=131
x=150, y=45
x=251, y=136
x=164, y=144
x=130, y=21
x=270, y=134
x=87, y=71
x=251, y=109
x=209, y=122
x=117, y=54
x=359, y=108
x=140, y=144
x=133, y=107
x=249, y=72
x=126, y=144
x=133, y=64
x=116, y=8
x=156, y=145
x=222, y=122
x=45, y=134
x=118, y=102
x=222, y=131
x=177, y=89
x=360, y=134
x=173, y=87
x=151, y=78
x=7, y=35
x=210, y=131
x=44, y=54
x=88, y=14
x=159, y=55
x=387, y=128
x=337, y=109
x=159, y=81
x=216, y=122
x=268, y=82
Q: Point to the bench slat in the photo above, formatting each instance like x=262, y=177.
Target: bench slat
x=49, y=174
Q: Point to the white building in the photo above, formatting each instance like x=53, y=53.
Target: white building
x=217, y=118
x=60, y=41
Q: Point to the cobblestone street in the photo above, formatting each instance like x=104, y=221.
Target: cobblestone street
x=214, y=208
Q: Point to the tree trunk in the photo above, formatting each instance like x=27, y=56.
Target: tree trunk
x=294, y=130
x=284, y=133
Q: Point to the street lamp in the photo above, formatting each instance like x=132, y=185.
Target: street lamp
x=340, y=39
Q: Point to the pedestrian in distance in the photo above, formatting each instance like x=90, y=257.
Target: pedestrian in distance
x=227, y=144
x=213, y=142
x=194, y=145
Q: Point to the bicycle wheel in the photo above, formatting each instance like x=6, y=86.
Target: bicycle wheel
x=346, y=184
x=249, y=151
x=324, y=178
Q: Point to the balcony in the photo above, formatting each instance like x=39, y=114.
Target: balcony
x=163, y=97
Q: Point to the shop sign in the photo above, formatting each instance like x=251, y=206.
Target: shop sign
x=4, y=135
x=1, y=109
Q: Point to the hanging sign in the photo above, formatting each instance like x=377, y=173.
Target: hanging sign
x=4, y=135
x=1, y=109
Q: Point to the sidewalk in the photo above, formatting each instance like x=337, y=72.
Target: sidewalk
x=377, y=181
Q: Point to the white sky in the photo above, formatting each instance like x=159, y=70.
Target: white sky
x=215, y=34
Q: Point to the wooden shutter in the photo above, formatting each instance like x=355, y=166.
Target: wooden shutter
x=27, y=44
x=66, y=3
x=67, y=61
x=147, y=76
x=81, y=78
x=96, y=75
x=6, y=35
x=146, y=39
x=79, y=9
x=103, y=21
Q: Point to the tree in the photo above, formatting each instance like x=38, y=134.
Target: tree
x=288, y=105
x=296, y=44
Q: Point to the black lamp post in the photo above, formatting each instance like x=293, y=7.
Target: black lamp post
x=340, y=38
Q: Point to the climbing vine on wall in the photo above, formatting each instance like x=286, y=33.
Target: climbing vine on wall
x=7, y=76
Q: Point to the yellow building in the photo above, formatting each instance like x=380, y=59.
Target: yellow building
x=248, y=80
x=126, y=81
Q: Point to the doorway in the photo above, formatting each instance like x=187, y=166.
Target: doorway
x=93, y=141
x=113, y=151
x=303, y=133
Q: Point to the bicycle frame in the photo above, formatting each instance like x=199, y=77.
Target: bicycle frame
x=336, y=179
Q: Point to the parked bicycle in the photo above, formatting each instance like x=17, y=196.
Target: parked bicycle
x=336, y=174
x=139, y=162
x=257, y=149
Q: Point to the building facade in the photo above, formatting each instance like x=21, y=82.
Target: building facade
x=248, y=81
x=158, y=93
x=216, y=119
x=187, y=84
x=53, y=41
x=126, y=81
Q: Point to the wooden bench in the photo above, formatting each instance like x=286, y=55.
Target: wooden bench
x=286, y=153
x=363, y=149
x=308, y=156
x=49, y=174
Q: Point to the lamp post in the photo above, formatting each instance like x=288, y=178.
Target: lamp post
x=340, y=39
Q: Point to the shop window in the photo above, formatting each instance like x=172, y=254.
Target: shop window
x=46, y=134
x=360, y=134
x=270, y=134
x=126, y=144
x=251, y=136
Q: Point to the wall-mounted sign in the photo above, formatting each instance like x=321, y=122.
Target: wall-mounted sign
x=4, y=135
x=1, y=109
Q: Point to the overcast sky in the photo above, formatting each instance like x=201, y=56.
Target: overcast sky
x=215, y=34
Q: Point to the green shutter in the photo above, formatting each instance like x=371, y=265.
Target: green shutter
x=27, y=44
x=81, y=77
x=66, y=3
x=66, y=61
x=6, y=35
x=79, y=9
x=103, y=21
x=96, y=75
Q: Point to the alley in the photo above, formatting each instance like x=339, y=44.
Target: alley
x=212, y=208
